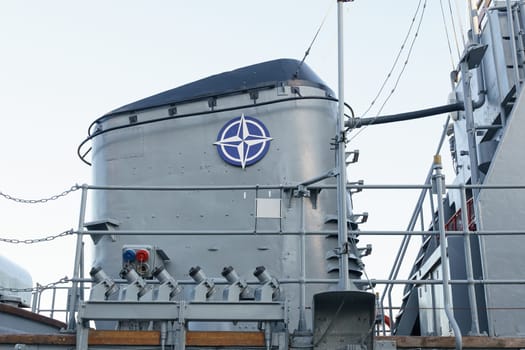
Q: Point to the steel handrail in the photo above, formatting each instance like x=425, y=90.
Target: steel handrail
x=389, y=282
x=294, y=233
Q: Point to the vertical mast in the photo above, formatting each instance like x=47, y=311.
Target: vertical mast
x=342, y=227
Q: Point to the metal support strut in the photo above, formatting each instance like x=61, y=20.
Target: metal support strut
x=75, y=294
x=468, y=262
x=438, y=180
x=340, y=158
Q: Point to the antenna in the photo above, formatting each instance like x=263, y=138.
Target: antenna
x=307, y=52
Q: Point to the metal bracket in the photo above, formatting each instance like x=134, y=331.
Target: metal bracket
x=254, y=95
x=343, y=249
x=314, y=194
x=281, y=89
x=356, y=183
x=365, y=251
x=212, y=102
x=300, y=191
x=355, y=157
x=364, y=218
x=303, y=191
x=172, y=111
x=338, y=139
x=107, y=224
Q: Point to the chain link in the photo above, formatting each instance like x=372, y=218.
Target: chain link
x=37, y=240
x=42, y=200
x=38, y=287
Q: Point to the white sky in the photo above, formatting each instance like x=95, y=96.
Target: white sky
x=64, y=64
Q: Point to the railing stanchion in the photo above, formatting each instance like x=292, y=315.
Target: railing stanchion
x=73, y=299
x=437, y=181
x=468, y=261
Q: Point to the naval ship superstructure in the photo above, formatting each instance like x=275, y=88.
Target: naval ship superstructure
x=222, y=218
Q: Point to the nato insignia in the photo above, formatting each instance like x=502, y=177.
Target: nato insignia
x=243, y=141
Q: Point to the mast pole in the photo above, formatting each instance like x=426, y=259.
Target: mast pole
x=342, y=228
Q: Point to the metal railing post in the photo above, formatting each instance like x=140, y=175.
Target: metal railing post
x=73, y=300
x=418, y=210
x=36, y=299
x=302, y=294
x=437, y=181
x=468, y=261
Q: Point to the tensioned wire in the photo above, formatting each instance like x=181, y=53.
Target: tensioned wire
x=405, y=64
x=387, y=78
x=446, y=33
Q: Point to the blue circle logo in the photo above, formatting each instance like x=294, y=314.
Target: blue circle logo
x=243, y=141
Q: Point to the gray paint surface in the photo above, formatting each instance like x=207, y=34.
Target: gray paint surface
x=180, y=152
x=503, y=256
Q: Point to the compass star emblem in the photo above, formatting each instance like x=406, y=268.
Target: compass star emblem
x=243, y=141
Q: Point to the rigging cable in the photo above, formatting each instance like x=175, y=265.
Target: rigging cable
x=395, y=61
x=454, y=29
x=307, y=52
x=446, y=33
x=459, y=20
x=407, y=59
x=401, y=72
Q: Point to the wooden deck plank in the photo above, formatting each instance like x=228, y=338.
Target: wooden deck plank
x=95, y=338
x=123, y=337
x=480, y=342
x=251, y=339
x=208, y=338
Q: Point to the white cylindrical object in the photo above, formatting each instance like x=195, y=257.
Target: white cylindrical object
x=15, y=277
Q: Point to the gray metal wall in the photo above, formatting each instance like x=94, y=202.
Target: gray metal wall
x=503, y=255
x=180, y=152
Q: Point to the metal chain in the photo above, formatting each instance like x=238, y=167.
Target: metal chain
x=38, y=286
x=43, y=200
x=37, y=240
